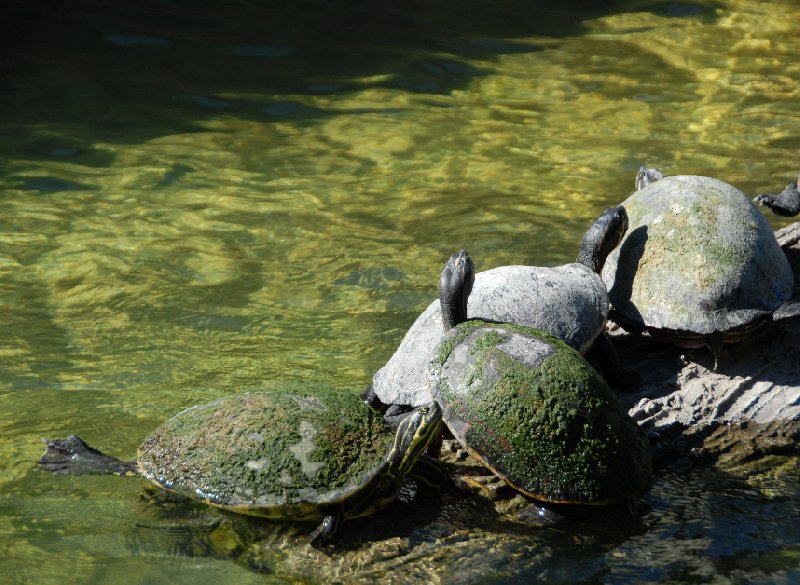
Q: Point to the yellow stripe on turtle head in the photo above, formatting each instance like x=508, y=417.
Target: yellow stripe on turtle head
x=413, y=436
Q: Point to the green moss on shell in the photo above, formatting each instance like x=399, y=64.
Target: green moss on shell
x=280, y=447
x=555, y=432
x=487, y=341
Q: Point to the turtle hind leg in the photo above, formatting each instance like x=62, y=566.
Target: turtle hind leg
x=327, y=528
x=72, y=456
x=787, y=313
x=714, y=342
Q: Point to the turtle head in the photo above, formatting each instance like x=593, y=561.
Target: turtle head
x=413, y=436
x=605, y=234
x=455, y=286
x=645, y=176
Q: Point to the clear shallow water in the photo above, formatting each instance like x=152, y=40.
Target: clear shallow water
x=195, y=200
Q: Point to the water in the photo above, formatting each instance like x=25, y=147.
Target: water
x=198, y=199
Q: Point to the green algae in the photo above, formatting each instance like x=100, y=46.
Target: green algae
x=282, y=446
x=487, y=341
x=554, y=430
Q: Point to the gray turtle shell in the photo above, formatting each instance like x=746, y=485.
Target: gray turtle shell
x=530, y=408
x=698, y=258
x=282, y=453
x=569, y=301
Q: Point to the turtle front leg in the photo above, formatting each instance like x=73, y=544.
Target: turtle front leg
x=429, y=474
x=327, y=528
x=72, y=456
x=786, y=203
x=371, y=399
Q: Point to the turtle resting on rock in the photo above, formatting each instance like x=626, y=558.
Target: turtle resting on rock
x=785, y=203
x=568, y=301
x=699, y=265
x=300, y=452
x=530, y=408
x=645, y=176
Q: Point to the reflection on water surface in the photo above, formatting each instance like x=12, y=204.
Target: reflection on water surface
x=196, y=199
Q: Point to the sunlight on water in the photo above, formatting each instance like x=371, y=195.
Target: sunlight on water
x=199, y=200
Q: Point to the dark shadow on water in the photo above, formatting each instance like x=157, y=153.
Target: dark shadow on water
x=689, y=520
x=126, y=72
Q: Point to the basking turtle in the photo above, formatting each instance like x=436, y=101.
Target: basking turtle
x=530, y=408
x=785, y=203
x=699, y=265
x=645, y=176
x=569, y=301
x=300, y=452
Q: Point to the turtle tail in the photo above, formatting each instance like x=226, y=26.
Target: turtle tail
x=72, y=456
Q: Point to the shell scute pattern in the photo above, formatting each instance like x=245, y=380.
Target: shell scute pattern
x=275, y=449
x=549, y=425
x=569, y=301
x=698, y=257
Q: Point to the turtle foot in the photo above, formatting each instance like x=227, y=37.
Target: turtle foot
x=785, y=204
x=787, y=313
x=325, y=531
x=72, y=456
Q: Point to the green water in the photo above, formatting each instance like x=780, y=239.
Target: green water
x=196, y=199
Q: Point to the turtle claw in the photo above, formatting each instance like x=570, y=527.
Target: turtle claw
x=786, y=203
x=325, y=531
x=59, y=453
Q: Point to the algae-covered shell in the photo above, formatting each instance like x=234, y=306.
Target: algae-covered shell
x=698, y=258
x=534, y=412
x=282, y=453
x=569, y=301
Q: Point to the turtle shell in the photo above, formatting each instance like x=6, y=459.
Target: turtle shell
x=282, y=453
x=698, y=258
x=569, y=301
x=535, y=412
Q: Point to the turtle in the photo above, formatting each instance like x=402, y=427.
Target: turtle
x=699, y=265
x=531, y=409
x=786, y=203
x=645, y=176
x=569, y=301
x=300, y=452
